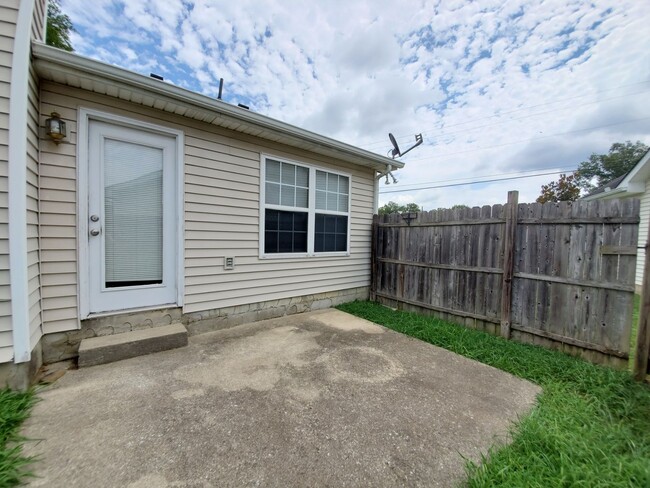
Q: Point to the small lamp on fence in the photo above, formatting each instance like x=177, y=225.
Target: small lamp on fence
x=55, y=128
x=408, y=216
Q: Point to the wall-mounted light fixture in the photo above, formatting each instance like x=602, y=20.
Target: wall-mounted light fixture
x=55, y=128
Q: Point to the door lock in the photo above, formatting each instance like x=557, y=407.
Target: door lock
x=94, y=218
x=94, y=232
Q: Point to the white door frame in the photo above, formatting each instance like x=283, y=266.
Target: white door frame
x=83, y=121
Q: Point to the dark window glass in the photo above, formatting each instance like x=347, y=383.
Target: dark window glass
x=285, y=232
x=331, y=233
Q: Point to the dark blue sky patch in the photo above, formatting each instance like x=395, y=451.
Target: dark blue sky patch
x=430, y=40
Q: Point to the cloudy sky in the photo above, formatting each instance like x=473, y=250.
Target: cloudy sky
x=497, y=88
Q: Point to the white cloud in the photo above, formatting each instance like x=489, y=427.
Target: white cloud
x=358, y=70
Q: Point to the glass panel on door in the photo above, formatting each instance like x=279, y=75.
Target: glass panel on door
x=133, y=212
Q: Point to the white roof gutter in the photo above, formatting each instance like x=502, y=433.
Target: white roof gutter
x=48, y=57
x=18, y=277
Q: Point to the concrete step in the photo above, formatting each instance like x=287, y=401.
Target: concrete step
x=110, y=348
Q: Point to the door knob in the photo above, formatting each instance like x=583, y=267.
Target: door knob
x=94, y=232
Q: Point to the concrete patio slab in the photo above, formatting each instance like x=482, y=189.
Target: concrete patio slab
x=318, y=399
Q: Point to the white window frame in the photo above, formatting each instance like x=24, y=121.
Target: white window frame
x=310, y=210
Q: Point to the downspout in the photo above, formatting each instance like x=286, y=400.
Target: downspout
x=376, y=197
x=18, y=277
x=379, y=176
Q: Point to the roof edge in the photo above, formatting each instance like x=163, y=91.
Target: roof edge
x=635, y=170
x=68, y=60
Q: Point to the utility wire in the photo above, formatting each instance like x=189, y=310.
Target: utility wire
x=525, y=108
x=471, y=182
x=471, y=129
x=443, y=156
x=514, y=173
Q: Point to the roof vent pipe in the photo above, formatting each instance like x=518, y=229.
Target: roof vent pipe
x=220, y=88
x=156, y=77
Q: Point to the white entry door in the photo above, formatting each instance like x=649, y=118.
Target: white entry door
x=132, y=212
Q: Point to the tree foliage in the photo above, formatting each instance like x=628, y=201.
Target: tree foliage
x=596, y=171
x=601, y=168
x=392, y=207
x=59, y=27
x=565, y=189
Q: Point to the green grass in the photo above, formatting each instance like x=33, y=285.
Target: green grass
x=14, y=409
x=591, y=424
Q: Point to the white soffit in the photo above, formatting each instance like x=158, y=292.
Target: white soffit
x=80, y=72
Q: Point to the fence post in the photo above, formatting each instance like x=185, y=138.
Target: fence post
x=640, y=367
x=508, y=261
x=373, y=258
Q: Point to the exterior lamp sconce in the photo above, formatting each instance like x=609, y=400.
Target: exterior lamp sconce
x=55, y=128
x=409, y=216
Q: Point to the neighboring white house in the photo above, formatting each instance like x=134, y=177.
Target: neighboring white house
x=634, y=184
x=159, y=199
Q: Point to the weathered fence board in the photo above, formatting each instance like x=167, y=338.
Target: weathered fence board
x=559, y=274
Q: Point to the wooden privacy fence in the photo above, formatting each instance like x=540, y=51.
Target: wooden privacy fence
x=557, y=274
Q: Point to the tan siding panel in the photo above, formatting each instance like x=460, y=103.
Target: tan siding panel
x=221, y=215
x=643, y=233
x=68, y=292
x=9, y=15
x=33, y=257
x=6, y=351
x=38, y=24
x=54, y=326
x=5, y=321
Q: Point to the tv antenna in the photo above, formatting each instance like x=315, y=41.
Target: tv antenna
x=396, y=153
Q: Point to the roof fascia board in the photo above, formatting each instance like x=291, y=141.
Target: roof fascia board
x=638, y=168
x=616, y=192
x=48, y=57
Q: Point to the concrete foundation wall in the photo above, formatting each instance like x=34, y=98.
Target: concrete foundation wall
x=60, y=346
x=19, y=376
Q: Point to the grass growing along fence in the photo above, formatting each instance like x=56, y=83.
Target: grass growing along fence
x=14, y=409
x=591, y=424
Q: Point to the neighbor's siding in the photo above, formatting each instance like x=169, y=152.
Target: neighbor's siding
x=643, y=234
x=8, y=16
x=221, y=216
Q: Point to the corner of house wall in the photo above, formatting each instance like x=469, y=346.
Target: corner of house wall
x=20, y=376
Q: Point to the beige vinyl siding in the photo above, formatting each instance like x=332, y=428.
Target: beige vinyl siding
x=643, y=233
x=38, y=23
x=9, y=15
x=222, y=172
x=33, y=261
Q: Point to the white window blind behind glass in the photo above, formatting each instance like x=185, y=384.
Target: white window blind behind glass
x=332, y=191
x=133, y=213
x=286, y=184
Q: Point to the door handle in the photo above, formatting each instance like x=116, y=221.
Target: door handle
x=94, y=232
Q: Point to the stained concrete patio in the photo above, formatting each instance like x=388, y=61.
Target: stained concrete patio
x=318, y=399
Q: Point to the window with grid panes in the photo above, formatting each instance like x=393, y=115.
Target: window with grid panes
x=306, y=210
